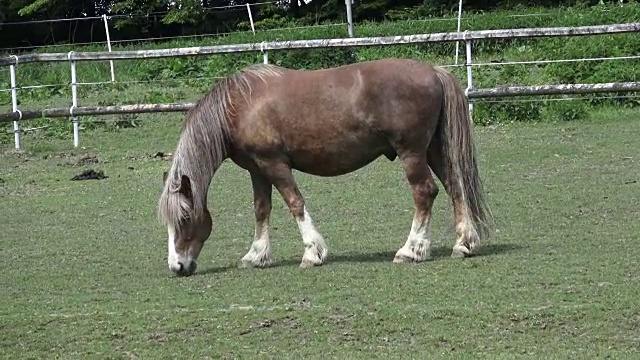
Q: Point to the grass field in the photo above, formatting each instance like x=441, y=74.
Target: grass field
x=85, y=272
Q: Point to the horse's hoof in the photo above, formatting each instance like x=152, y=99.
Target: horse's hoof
x=403, y=256
x=461, y=251
x=245, y=264
x=309, y=263
x=305, y=264
x=314, y=258
x=401, y=259
x=255, y=263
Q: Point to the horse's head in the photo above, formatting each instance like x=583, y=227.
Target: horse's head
x=188, y=236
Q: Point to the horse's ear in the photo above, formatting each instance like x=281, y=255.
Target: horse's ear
x=185, y=187
x=164, y=177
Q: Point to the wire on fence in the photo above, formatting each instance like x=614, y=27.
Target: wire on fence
x=532, y=62
x=234, y=6
x=226, y=7
x=151, y=81
x=131, y=82
x=559, y=99
x=29, y=87
x=224, y=33
x=142, y=40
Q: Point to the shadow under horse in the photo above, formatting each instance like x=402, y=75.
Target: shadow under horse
x=269, y=120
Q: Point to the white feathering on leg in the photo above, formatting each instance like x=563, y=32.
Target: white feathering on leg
x=315, y=248
x=417, y=247
x=259, y=254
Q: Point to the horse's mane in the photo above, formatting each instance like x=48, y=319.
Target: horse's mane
x=203, y=144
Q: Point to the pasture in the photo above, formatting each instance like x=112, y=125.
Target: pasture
x=85, y=273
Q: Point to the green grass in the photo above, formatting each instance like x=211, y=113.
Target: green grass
x=85, y=276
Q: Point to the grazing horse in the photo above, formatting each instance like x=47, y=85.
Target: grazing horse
x=269, y=120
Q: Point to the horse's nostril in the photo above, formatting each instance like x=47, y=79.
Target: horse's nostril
x=181, y=267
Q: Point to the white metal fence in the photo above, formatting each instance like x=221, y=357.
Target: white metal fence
x=468, y=37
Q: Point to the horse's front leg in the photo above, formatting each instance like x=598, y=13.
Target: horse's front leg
x=260, y=254
x=315, y=248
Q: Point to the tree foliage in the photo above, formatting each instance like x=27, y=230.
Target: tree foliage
x=132, y=19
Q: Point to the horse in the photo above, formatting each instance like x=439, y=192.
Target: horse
x=270, y=120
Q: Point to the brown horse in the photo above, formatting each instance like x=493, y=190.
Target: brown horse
x=270, y=120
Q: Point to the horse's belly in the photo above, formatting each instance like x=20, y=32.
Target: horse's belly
x=332, y=160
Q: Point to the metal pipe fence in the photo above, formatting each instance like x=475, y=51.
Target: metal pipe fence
x=468, y=37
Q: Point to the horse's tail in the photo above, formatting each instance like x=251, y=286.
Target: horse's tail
x=456, y=134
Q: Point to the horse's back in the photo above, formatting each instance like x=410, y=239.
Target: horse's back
x=344, y=117
x=372, y=93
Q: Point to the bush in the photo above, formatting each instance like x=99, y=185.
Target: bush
x=565, y=110
x=486, y=113
x=314, y=59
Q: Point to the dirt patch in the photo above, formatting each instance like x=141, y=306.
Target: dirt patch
x=71, y=159
x=90, y=175
x=86, y=160
x=343, y=323
x=346, y=336
x=444, y=344
x=262, y=324
x=340, y=319
x=60, y=155
x=18, y=153
x=287, y=322
x=302, y=302
x=158, y=337
x=162, y=155
x=27, y=189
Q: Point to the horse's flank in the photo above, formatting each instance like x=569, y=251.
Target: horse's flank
x=203, y=145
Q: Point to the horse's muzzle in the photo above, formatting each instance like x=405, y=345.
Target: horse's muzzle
x=184, y=269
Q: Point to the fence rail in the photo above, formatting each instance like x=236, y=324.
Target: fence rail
x=468, y=37
x=182, y=107
x=95, y=110
x=568, y=89
x=326, y=43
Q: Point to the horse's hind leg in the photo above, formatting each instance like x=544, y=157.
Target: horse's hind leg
x=259, y=254
x=418, y=247
x=467, y=238
x=315, y=248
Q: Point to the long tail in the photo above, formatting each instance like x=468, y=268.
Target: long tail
x=456, y=133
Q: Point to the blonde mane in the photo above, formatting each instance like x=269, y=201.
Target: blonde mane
x=203, y=144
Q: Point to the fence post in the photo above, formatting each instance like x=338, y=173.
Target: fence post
x=74, y=100
x=251, y=18
x=469, y=75
x=14, y=103
x=459, y=23
x=106, y=29
x=349, y=17
x=265, y=55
